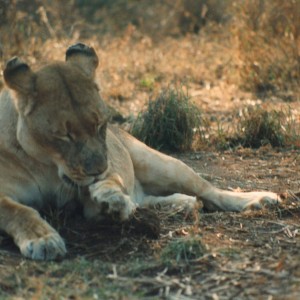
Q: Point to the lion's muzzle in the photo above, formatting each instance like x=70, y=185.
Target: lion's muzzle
x=95, y=165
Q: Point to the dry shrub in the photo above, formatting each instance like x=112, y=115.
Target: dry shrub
x=195, y=14
x=155, y=18
x=4, y=4
x=269, y=43
x=29, y=24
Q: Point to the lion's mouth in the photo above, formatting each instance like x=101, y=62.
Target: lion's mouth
x=74, y=183
x=79, y=181
x=68, y=180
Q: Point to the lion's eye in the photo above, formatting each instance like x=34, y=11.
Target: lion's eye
x=65, y=137
x=102, y=129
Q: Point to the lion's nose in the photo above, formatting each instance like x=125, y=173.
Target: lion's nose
x=95, y=167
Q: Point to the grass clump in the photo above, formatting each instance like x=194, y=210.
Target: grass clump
x=169, y=123
x=259, y=127
x=183, y=250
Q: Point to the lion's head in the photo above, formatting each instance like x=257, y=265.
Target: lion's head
x=61, y=117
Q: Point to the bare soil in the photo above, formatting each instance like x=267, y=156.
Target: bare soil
x=250, y=255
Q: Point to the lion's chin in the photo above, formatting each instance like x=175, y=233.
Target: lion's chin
x=71, y=182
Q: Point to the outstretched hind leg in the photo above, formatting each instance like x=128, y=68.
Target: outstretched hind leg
x=176, y=201
x=160, y=174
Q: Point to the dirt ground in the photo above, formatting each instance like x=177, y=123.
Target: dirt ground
x=249, y=255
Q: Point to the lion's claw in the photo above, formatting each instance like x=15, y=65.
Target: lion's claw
x=49, y=247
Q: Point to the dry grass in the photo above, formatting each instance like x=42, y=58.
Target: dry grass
x=249, y=255
x=269, y=40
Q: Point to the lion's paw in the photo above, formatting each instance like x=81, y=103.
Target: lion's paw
x=186, y=203
x=262, y=200
x=49, y=247
x=112, y=201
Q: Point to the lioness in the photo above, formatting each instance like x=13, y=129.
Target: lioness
x=56, y=145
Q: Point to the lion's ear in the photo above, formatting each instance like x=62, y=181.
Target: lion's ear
x=18, y=76
x=83, y=56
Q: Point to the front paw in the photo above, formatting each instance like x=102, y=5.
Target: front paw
x=112, y=201
x=48, y=247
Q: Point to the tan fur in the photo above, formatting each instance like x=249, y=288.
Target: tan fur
x=55, y=147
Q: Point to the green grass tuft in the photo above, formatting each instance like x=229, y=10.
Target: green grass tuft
x=169, y=123
x=259, y=127
x=183, y=250
x=256, y=127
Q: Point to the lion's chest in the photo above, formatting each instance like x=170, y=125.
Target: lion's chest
x=43, y=194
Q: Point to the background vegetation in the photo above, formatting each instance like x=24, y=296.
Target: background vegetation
x=264, y=37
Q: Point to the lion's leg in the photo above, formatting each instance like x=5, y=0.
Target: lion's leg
x=176, y=200
x=109, y=197
x=160, y=174
x=34, y=236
